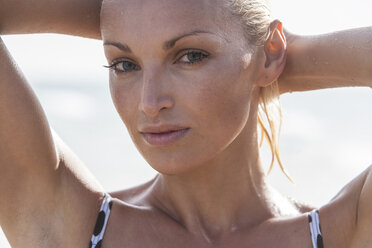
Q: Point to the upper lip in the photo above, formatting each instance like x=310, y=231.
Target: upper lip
x=161, y=128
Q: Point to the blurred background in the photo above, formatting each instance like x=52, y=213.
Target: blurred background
x=326, y=135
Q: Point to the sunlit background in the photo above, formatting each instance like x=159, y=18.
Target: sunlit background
x=326, y=135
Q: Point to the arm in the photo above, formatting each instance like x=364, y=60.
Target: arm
x=74, y=17
x=46, y=193
x=331, y=60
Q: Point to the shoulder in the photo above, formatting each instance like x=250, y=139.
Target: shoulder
x=133, y=195
x=340, y=218
x=363, y=219
x=134, y=220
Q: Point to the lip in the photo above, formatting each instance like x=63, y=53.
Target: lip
x=164, y=138
x=161, y=128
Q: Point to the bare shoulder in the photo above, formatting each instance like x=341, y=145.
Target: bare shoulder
x=345, y=220
x=363, y=220
x=133, y=194
x=339, y=218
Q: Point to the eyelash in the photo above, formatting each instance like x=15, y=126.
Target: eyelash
x=114, y=63
x=203, y=54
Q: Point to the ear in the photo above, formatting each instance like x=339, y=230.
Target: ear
x=275, y=55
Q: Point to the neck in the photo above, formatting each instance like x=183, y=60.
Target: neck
x=223, y=195
x=212, y=204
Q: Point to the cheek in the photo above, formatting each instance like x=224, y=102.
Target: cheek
x=214, y=101
x=221, y=100
x=123, y=100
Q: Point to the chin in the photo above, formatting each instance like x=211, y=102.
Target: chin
x=170, y=163
x=174, y=160
x=184, y=156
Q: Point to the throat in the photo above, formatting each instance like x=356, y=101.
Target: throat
x=214, y=214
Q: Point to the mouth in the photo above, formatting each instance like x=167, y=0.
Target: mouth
x=164, y=138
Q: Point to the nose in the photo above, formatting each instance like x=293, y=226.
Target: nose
x=154, y=96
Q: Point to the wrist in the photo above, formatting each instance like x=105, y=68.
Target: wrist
x=295, y=63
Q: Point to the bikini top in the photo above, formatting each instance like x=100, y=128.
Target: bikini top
x=104, y=214
x=102, y=219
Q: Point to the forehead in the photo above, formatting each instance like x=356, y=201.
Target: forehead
x=149, y=17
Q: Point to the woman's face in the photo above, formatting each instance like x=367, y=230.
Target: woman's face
x=183, y=63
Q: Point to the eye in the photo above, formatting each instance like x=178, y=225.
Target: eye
x=192, y=57
x=123, y=66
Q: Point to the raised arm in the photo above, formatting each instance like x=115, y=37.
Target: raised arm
x=74, y=17
x=338, y=59
x=46, y=193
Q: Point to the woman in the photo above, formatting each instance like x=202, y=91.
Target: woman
x=189, y=92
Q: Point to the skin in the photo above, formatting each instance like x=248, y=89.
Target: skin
x=215, y=198
x=221, y=89
x=338, y=59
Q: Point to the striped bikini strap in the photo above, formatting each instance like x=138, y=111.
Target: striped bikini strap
x=315, y=230
x=102, y=219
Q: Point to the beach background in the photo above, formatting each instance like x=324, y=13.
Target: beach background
x=326, y=135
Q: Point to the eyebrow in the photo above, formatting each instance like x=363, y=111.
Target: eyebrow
x=166, y=46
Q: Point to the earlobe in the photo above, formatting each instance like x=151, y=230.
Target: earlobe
x=275, y=55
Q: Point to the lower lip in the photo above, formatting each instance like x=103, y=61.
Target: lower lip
x=163, y=139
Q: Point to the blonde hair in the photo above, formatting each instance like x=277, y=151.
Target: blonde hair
x=256, y=18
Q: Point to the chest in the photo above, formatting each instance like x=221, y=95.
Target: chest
x=170, y=240
x=158, y=233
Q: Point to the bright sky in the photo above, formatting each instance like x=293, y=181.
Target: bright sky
x=318, y=16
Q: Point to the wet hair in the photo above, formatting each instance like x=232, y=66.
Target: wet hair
x=256, y=18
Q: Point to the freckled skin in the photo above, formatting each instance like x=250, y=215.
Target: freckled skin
x=210, y=181
x=212, y=97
